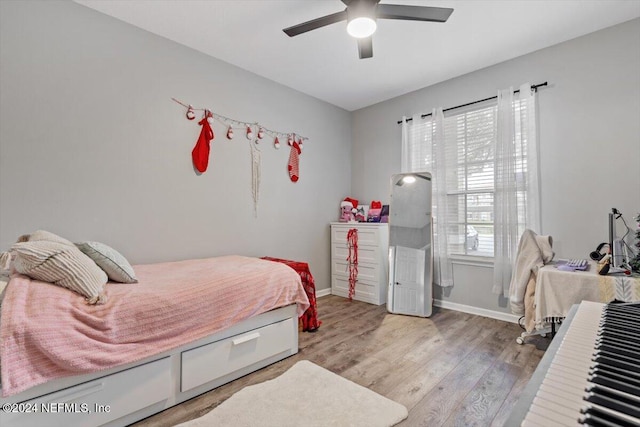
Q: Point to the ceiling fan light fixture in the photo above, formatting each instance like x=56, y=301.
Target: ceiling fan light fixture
x=361, y=27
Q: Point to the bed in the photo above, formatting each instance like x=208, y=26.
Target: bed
x=185, y=328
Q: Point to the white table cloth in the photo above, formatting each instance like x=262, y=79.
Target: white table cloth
x=557, y=290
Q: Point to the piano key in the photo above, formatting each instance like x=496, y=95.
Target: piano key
x=629, y=361
x=543, y=409
x=617, y=362
x=592, y=420
x=613, y=416
x=629, y=377
x=618, y=349
x=615, y=383
x=619, y=335
x=533, y=419
x=613, y=401
x=616, y=342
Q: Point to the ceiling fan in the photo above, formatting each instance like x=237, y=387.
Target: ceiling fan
x=361, y=16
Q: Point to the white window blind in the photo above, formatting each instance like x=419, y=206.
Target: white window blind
x=470, y=154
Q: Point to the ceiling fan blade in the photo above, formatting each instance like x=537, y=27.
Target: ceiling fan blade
x=348, y=2
x=365, y=47
x=316, y=23
x=414, y=13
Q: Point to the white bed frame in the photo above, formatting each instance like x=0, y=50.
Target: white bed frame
x=128, y=393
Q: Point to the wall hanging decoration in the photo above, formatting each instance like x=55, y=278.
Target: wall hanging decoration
x=252, y=130
x=200, y=153
x=293, y=165
x=254, y=133
x=256, y=161
x=190, y=113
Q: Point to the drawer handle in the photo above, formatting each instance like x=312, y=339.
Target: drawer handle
x=246, y=338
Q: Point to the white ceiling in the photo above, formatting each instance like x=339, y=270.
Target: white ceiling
x=407, y=55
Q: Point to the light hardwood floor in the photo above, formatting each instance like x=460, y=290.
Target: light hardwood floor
x=452, y=369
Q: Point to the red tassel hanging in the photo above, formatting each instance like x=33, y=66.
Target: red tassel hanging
x=352, y=259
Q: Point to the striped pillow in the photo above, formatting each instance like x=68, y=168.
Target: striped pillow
x=62, y=265
x=46, y=235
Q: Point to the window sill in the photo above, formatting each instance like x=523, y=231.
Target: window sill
x=477, y=261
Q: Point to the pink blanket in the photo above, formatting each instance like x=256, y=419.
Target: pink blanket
x=48, y=332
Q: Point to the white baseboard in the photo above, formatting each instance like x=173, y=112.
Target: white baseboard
x=507, y=317
x=323, y=292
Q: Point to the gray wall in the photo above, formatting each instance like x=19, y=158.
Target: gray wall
x=589, y=134
x=93, y=148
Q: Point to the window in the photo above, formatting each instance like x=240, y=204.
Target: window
x=470, y=154
x=470, y=157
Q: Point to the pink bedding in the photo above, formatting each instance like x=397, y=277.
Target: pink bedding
x=48, y=332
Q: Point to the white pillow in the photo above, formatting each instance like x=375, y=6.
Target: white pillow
x=62, y=265
x=111, y=261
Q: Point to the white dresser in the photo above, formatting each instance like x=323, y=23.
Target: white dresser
x=373, y=261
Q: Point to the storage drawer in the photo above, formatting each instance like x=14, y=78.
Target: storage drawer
x=211, y=361
x=98, y=401
x=369, y=254
x=365, y=291
x=367, y=235
x=369, y=272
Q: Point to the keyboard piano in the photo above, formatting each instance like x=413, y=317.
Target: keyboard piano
x=590, y=374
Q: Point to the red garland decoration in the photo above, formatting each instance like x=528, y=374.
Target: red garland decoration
x=352, y=259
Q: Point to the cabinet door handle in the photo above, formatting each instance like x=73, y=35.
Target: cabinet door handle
x=246, y=338
x=398, y=283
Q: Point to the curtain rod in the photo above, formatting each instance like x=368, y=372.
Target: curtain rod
x=534, y=87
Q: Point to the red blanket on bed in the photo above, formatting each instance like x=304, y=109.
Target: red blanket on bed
x=309, y=320
x=49, y=332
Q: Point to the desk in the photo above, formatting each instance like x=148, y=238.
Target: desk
x=557, y=290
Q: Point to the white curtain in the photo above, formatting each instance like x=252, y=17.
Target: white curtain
x=405, y=161
x=414, y=148
x=516, y=197
x=423, y=147
x=443, y=270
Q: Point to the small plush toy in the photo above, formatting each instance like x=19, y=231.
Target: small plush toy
x=360, y=215
x=346, y=212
